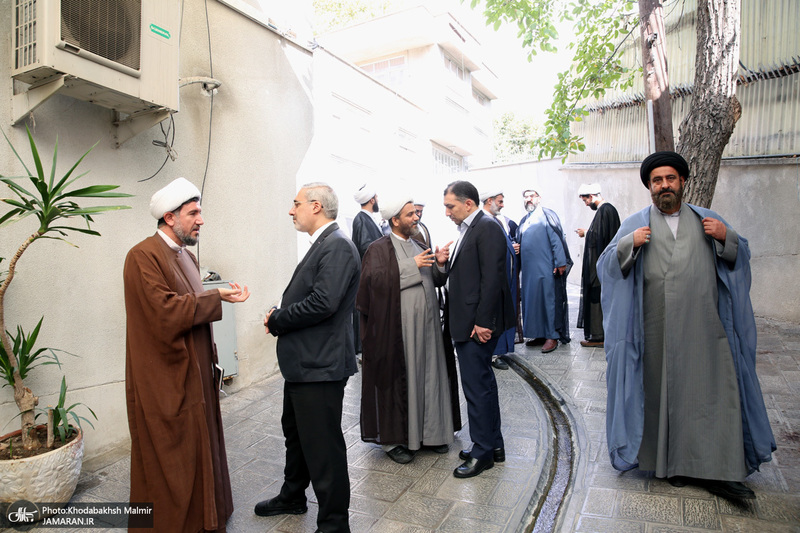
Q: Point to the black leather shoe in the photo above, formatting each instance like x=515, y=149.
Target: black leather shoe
x=472, y=467
x=275, y=506
x=729, y=489
x=500, y=364
x=678, y=481
x=444, y=448
x=400, y=454
x=499, y=455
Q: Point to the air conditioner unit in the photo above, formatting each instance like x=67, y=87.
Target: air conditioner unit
x=120, y=54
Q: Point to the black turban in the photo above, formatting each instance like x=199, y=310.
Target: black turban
x=663, y=159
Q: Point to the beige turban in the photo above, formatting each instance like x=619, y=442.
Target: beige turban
x=364, y=194
x=172, y=197
x=587, y=189
x=392, y=207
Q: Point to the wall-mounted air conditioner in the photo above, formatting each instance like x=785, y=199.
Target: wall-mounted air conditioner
x=120, y=54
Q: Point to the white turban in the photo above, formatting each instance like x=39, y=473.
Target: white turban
x=491, y=193
x=172, y=197
x=419, y=202
x=586, y=189
x=364, y=194
x=394, y=205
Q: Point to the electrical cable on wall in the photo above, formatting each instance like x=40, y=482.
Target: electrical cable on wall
x=210, y=113
x=167, y=144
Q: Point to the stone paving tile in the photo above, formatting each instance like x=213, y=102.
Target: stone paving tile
x=649, y=507
x=474, y=490
x=457, y=524
x=389, y=526
x=700, y=513
x=430, y=481
x=592, y=524
x=732, y=524
x=382, y=486
x=419, y=510
x=599, y=502
x=368, y=506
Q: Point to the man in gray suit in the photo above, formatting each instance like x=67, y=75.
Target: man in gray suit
x=316, y=356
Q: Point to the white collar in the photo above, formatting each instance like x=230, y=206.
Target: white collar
x=172, y=244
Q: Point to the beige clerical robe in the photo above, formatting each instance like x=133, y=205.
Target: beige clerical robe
x=178, y=458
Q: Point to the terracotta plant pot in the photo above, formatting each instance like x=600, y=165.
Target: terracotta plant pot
x=49, y=477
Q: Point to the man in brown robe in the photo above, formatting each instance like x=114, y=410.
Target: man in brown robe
x=178, y=459
x=409, y=393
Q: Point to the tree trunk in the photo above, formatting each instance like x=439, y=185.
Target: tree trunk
x=656, y=79
x=708, y=126
x=24, y=398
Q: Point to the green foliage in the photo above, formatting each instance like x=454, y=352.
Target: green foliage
x=62, y=415
x=27, y=358
x=48, y=199
x=600, y=26
x=334, y=14
x=514, y=138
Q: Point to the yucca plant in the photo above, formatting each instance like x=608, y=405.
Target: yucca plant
x=48, y=199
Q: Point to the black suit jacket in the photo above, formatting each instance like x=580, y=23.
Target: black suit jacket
x=314, y=324
x=478, y=288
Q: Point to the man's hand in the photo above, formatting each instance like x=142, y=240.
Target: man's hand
x=715, y=228
x=581, y=232
x=484, y=334
x=425, y=259
x=235, y=294
x=266, y=318
x=559, y=271
x=443, y=254
x=516, y=248
x=641, y=236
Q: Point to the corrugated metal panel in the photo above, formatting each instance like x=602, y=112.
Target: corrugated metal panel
x=769, y=92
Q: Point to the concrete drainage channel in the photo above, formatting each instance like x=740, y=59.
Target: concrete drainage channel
x=543, y=510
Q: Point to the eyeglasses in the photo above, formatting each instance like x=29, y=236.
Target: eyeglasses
x=297, y=204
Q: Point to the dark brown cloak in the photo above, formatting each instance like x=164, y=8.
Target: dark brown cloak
x=384, y=405
x=178, y=458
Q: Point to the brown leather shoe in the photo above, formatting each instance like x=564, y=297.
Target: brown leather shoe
x=549, y=345
x=592, y=344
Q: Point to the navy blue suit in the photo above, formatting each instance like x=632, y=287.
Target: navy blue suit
x=479, y=294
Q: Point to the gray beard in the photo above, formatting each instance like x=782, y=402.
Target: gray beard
x=668, y=203
x=186, y=239
x=530, y=208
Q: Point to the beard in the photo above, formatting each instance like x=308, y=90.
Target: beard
x=186, y=238
x=375, y=207
x=593, y=207
x=667, y=202
x=530, y=207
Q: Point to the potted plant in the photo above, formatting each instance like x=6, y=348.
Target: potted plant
x=48, y=199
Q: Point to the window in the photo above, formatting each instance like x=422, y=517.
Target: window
x=456, y=68
x=445, y=161
x=390, y=71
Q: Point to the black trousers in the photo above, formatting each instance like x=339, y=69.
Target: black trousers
x=315, y=450
x=480, y=391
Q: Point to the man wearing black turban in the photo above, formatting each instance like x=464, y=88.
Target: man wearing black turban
x=683, y=396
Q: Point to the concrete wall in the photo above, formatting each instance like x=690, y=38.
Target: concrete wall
x=261, y=130
x=759, y=198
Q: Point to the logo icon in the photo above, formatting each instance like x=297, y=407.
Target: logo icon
x=22, y=512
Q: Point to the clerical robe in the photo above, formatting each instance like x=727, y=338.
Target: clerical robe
x=178, y=458
x=409, y=392
x=544, y=294
x=680, y=341
x=603, y=228
x=505, y=342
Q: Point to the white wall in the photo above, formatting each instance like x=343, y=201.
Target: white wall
x=760, y=199
x=262, y=128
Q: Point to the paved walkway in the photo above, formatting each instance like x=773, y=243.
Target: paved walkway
x=423, y=495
